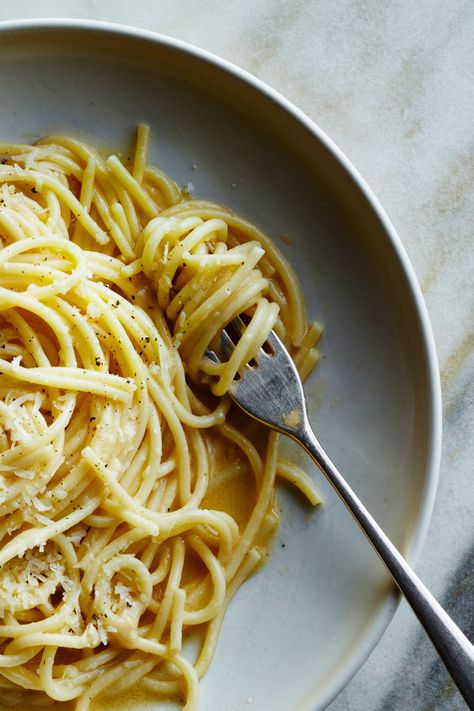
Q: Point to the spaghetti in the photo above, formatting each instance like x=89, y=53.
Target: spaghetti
x=118, y=534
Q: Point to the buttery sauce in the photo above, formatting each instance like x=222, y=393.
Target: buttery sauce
x=232, y=489
x=231, y=481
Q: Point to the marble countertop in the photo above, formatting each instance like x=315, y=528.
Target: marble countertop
x=392, y=84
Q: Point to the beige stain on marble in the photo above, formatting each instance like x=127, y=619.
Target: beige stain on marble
x=406, y=88
x=449, y=197
x=267, y=38
x=457, y=359
x=417, y=72
x=457, y=183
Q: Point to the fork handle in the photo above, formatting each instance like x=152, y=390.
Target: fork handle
x=454, y=648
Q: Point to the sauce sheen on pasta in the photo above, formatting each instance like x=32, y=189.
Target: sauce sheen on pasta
x=134, y=499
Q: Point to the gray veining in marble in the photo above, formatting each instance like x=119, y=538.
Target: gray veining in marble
x=393, y=84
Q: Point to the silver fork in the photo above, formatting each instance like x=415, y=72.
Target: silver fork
x=269, y=389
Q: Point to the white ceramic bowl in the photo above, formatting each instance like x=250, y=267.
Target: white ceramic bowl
x=300, y=628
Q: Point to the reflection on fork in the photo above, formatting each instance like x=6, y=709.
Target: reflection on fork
x=269, y=389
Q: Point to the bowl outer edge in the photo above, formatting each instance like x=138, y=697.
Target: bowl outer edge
x=420, y=530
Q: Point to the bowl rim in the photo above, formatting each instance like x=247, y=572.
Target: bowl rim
x=412, y=547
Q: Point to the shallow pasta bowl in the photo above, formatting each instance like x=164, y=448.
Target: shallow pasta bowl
x=300, y=628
